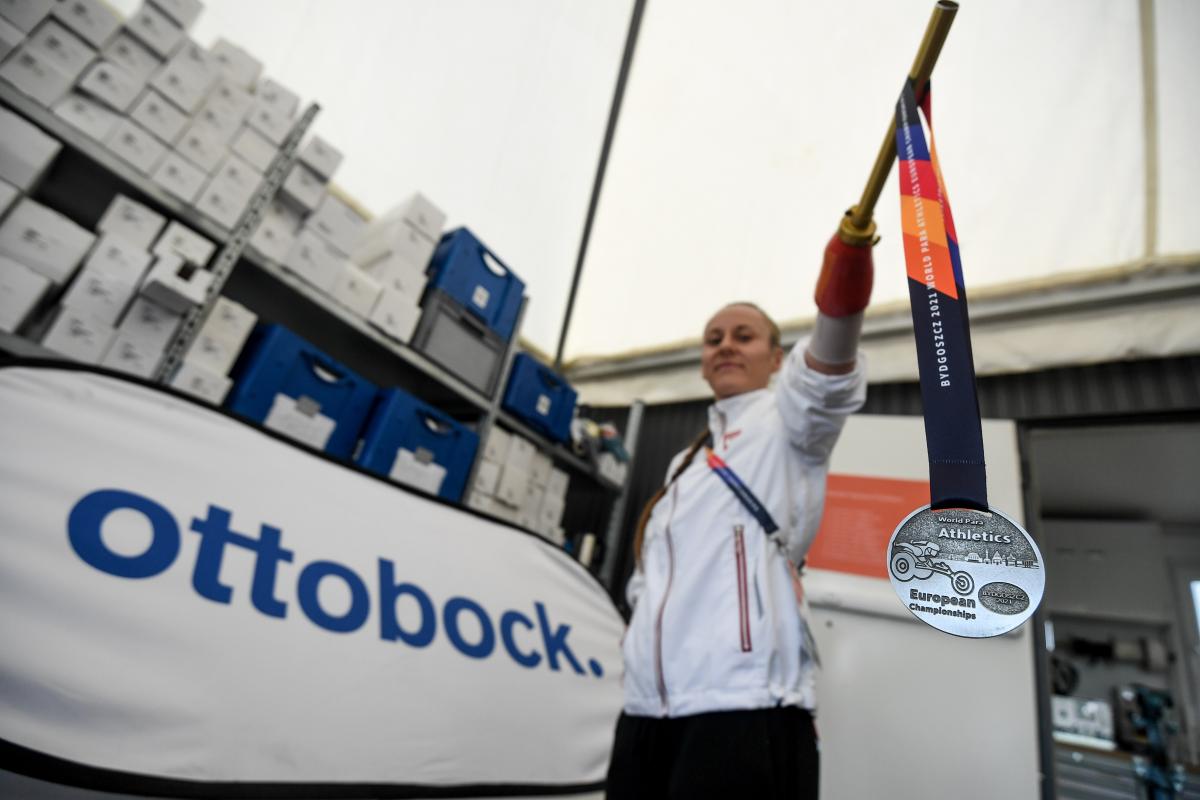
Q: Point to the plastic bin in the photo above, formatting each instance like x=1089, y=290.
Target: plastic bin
x=465, y=269
x=284, y=383
x=414, y=443
x=460, y=342
x=538, y=396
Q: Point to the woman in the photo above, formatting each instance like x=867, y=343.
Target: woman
x=718, y=661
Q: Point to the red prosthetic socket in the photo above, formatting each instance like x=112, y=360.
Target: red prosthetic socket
x=844, y=286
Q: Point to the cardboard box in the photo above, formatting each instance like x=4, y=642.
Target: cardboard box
x=254, y=148
x=62, y=48
x=273, y=124
x=180, y=178
x=136, y=146
x=403, y=279
x=419, y=212
x=337, y=223
x=175, y=284
x=183, y=86
x=395, y=314
x=87, y=116
x=495, y=447
x=111, y=85
x=315, y=260
x=10, y=37
x=520, y=454
x=25, y=152
x=222, y=336
x=182, y=12
x=231, y=99
x=514, y=482
x=237, y=65
x=276, y=232
x=159, y=116
x=487, y=477
x=356, y=290
x=155, y=30
x=238, y=176
x=194, y=64
x=108, y=280
x=79, y=336
x=44, y=240
x=230, y=322
x=539, y=469
x=25, y=14
x=150, y=323
x=132, y=356
x=272, y=94
x=220, y=121
x=180, y=240
x=93, y=20
x=321, y=157
x=132, y=221
x=133, y=56
x=21, y=289
x=200, y=383
x=223, y=203
x=8, y=195
x=556, y=484
x=35, y=75
x=303, y=189
x=396, y=248
x=199, y=146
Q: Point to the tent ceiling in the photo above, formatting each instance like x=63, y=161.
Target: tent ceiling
x=746, y=131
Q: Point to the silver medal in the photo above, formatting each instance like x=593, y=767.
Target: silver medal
x=966, y=572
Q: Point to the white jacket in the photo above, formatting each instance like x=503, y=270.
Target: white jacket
x=716, y=625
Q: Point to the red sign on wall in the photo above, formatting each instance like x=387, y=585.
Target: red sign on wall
x=860, y=515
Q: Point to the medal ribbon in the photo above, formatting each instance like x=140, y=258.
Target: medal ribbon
x=953, y=433
x=742, y=492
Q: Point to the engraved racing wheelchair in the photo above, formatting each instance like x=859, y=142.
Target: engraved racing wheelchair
x=916, y=560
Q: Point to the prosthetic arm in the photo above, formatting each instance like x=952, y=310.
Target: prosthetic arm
x=843, y=291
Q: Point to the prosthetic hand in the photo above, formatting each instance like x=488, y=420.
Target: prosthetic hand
x=843, y=291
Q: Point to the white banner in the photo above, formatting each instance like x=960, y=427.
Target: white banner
x=185, y=598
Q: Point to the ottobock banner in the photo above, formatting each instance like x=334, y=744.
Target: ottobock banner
x=190, y=605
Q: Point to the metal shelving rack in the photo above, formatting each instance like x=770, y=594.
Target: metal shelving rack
x=235, y=249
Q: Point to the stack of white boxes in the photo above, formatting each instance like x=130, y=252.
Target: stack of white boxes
x=394, y=253
x=515, y=482
x=38, y=248
x=205, y=370
x=310, y=230
x=198, y=122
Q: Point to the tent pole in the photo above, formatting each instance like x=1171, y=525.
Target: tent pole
x=635, y=23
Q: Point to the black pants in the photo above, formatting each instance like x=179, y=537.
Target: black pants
x=763, y=753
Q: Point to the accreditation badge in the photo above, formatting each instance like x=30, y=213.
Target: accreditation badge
x=970, y=573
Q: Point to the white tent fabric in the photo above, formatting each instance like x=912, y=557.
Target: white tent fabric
x=745, y=133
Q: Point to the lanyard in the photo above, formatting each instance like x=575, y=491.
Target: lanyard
x=741, y=491
x=953, y=433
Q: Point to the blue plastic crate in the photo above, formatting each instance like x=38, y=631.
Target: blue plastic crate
x=464, y=268
x=541, y=398
x=401, y=422
x=280, y=378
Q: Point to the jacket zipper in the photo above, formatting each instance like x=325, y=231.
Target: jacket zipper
x=658, y=623
x=739, y=551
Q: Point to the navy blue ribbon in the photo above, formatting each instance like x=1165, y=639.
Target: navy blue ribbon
x=953, y=432
x=742, y=492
